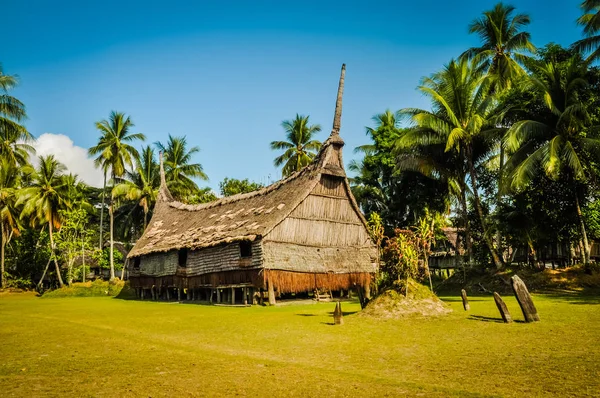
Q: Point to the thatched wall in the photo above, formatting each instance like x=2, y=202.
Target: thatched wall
x=159, y=264
x=294, y=282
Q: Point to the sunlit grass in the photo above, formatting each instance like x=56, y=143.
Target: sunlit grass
x=112, y=347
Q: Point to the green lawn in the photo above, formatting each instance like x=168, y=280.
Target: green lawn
x=113, y=347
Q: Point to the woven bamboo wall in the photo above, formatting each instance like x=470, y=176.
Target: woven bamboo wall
x=222, y=258
x=159, y=264
x=292, y=257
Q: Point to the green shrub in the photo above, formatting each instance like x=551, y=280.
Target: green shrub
x=98, y=288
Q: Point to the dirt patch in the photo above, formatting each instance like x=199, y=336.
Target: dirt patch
x=394, y=304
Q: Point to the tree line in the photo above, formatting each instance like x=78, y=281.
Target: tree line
x=507, y=153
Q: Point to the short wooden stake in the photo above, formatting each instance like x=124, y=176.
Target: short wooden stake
x=524, y=299
x=465, y=300
x=502, y=308
x=338, y=316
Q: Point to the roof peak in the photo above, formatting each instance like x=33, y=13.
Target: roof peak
x=337, y=118
x=164, y=192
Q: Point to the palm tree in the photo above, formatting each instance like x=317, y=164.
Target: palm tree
x=564, y=143
x=590, y=21
x=14, y=137
x=115, y=153
x=141, y=184
x=300, y=148
x=503, y=45
x=10, y=176
x=44, y=199
x=463, y=118
x=179, y=170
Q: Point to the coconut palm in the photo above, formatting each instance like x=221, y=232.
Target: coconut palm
x=300, y=148
x=179, y=171
x=463, y=118
x=563, y=144
x=44, y=198
x=141, y=184
x=590, y=21
x=10, y=176
x=115, y=153
x=504, y=44
x=14, y=137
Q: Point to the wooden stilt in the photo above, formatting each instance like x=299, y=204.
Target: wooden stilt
x=168, y=294
x=245, y=294
x=271, y=291
x=178, y=294
x=152, y=294
x=210, y=300
x=218, y=295
x=189, y=294
x=233, y=295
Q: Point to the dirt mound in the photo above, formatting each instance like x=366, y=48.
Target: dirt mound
x=394, y=304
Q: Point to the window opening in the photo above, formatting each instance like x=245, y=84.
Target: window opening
x=183, y=257
x=245, y=249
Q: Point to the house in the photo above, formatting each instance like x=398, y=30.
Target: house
x=303, y=233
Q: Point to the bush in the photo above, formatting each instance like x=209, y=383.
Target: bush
x=98, y=288
x=15, y=282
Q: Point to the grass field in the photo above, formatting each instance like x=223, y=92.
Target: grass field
x=110, y=347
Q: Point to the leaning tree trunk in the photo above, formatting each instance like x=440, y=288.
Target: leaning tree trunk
x=586, y=247
x=486, y=235
x=2, y=245
x=499, y=196
x=102, y=211
x=112, y=227
x=53, y=255
x=44, y=274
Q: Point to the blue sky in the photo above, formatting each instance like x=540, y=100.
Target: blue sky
x=226, y=73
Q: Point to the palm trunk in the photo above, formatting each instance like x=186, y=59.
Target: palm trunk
x=465, y=217
x=112, y=222
x=53, y=255
x=145, y=220
x=45, y=270
x=83, y=261
x=499, y=194
x=586, y=247
x=486, y=235
x=2, y=245
x=102, y=211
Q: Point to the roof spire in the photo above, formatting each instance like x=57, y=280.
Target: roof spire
x=163, y=180
x=338, y=104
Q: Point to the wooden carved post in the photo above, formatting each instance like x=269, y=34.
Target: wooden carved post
x=465, y=300
x=338, y=316
x=502, y=308
x=271, y=292
x=245, y=294
x=232, y=295
x=178, y=294
x=152, y=293
x=218, y=295
x=524, y=300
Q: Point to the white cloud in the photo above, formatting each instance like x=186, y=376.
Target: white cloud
x=74, y=157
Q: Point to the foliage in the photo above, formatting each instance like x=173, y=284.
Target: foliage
x=73, y=239
x=102, y=258
x=179, y=170
x=401, y=258
x=232, y=186
x=204, y=195
x=590, y=21
x=16, y=282
x=300, y=147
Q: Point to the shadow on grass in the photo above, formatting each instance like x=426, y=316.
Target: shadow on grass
x=459, y=300
x=585, y=297
x=482, y=318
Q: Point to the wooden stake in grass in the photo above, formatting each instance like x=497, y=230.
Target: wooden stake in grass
x=338, y=316
x=524, y=299
x=502, y=308
x=465, y=300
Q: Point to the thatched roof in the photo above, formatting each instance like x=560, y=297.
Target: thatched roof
x=176, y=225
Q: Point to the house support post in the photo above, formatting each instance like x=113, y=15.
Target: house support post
x=233, y=295
x=218, y=295
x=271, y=292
